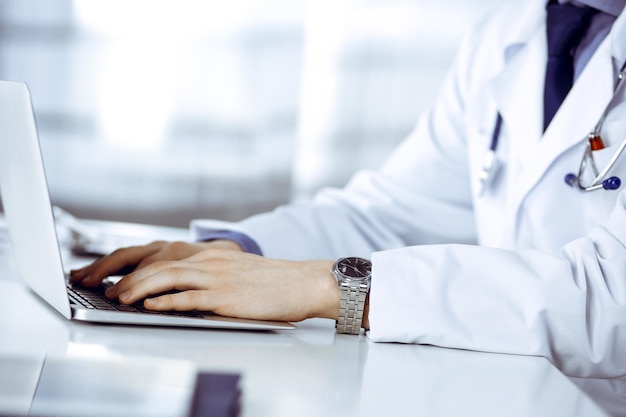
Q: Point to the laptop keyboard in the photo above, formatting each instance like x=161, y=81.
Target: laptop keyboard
x=94, y=298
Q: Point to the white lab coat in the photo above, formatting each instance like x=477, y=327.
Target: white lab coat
x=532, y=266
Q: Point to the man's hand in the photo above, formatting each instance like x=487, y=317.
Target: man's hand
x=226, y=282
x=125, y=260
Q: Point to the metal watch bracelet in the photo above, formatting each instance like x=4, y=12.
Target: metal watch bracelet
x=352, y=304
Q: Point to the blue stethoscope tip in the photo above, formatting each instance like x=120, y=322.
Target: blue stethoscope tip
x=570, y=179
x=612, y=183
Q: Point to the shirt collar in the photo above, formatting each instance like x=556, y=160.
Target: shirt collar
x=612, y=7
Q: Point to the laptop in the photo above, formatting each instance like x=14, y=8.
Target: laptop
x=29, y=215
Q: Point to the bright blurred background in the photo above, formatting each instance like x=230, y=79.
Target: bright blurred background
x=160, y=111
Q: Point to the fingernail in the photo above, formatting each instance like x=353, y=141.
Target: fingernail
x=124, y=296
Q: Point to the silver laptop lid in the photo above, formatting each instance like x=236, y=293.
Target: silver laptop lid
x=30, y=218
x=26, y=199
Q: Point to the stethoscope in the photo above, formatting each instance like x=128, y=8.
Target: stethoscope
x=491, y=163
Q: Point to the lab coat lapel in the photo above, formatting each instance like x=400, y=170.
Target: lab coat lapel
x=518, y=88
x=575, y=118
x=580, y=111
x=518, y=92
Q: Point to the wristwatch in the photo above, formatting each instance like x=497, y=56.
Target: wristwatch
x=353, y=277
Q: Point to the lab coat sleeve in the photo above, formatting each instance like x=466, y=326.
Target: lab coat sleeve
x=570, y=308
x=420, y=196
x=369, y=214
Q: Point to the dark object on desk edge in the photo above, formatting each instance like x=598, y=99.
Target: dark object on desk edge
x=216, y=395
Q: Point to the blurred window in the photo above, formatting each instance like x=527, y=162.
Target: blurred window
x=163, y=111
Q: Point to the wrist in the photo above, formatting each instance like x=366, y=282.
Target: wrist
x=325, y=294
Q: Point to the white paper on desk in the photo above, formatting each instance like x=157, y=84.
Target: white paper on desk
x=92, y=388
x=18, y=382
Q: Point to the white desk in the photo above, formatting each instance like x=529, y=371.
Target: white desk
x=309, y=371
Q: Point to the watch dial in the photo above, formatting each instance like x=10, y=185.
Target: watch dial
x=356, y=268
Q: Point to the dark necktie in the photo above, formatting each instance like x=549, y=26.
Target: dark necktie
x=566, y=25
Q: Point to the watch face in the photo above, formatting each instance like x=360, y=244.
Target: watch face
x=355, y=268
